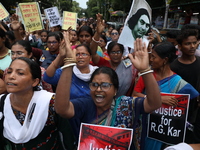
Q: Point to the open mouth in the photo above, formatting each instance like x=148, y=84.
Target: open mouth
x=12, y=84
x=80, y=62
x=99, y=98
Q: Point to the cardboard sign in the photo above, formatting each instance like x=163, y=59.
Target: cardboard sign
x=104, y=137
x=19, y=14
x=31, y=16
x=53, y=16
x=69, y=19
x=168, y=123
x=3, y=12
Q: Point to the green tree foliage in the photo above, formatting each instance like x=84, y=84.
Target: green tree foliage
x=93, y=8
x=102, y=6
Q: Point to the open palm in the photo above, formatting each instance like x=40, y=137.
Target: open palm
x=141, y=58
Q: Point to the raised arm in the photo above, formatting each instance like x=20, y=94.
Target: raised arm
x=95, y=39
x=15, y=25
x=63, y=106
x=50, y=71
x=141, y=62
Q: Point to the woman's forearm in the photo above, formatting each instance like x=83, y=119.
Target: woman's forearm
x=63, y=106
x=153, y=99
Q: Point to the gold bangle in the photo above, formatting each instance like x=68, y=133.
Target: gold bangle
x=145, y=70
x=71, y=61
x=70, y=58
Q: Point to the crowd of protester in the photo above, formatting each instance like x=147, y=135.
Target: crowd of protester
x=53, y=80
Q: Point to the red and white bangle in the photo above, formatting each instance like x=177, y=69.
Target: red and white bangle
x=95, y=40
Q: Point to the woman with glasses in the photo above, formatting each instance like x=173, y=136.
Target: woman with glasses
x=81, y=72
x=103, y=108
x=53, y=43
x=169, y=82
x=125, y=70
x=23, y=48
x=114, y=36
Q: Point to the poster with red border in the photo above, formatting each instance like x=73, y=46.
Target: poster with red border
x=97, y=137
x=168, y=123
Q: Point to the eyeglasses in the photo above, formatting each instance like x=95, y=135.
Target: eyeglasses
x=104, y=86
x=114, y=33
x=54, y=42
x=115, y=52
x=82, y=54
x=17, y=53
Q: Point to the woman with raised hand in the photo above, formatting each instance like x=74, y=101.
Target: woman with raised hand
x=81, y=71
x=125, y=70
x=102, y=107
x=163, y=54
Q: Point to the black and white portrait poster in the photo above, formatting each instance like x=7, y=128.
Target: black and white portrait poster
x=137, y=24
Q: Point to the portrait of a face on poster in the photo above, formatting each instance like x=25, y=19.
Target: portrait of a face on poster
x=137, y=24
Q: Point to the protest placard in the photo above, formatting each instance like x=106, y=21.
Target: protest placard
x=53, y=16
x=31, y=16
x=137, y=24
x=19, y=14
x=3, y=12
x=168, y=123
x=104, y=137
x=69, y=19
